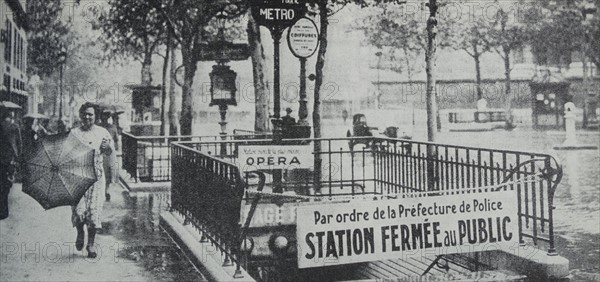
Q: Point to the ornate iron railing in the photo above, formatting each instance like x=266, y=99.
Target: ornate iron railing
x=386, y=166
x=208, y=193
x=148, y=158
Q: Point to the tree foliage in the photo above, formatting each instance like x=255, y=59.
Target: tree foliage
x=562, y=28
x=187, y=21
x=47, y=34
x=402, y=36
x=131, y=29
x=508, y=34
x=473, y=37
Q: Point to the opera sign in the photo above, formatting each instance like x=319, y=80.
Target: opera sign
x=277, y=14
x=258, y=157
x=303, y=38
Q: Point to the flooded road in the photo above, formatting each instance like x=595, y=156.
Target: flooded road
x=135, y=225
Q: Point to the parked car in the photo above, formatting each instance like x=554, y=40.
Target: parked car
x=391, y=121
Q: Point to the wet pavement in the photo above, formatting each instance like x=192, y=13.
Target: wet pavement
x=38, y=245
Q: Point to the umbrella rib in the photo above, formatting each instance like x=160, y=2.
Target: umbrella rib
x=41, y=175
x=78, y=176
x=48, y=154
x=70, y=194
x=49, y=188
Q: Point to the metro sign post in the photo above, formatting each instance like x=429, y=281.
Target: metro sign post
x=277, y=15
x=303, y=39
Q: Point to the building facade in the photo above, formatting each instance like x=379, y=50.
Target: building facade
x=13, y=47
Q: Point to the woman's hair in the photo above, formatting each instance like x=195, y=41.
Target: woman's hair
x=87, y=105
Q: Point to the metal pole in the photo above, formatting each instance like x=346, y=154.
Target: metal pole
x=276, y=34
x=303, y=111
x=60, y=103
x=223, y=124
x=277, y=123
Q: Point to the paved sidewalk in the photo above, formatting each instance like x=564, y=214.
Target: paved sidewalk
x=38, y=245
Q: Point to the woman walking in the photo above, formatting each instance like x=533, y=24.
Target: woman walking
x=89, y=210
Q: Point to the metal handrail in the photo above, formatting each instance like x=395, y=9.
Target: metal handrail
x=400, y=165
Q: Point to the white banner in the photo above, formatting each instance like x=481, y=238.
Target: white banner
x=377, y=230
x=275, y=157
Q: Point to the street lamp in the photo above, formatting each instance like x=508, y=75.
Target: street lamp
x=62, y=59
x=222, y=93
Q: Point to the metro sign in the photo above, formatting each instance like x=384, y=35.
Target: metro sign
x=277, y=14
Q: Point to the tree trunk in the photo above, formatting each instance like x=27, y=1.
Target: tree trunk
x=584, y=80
x=432, y=114
x=408, y=67
x=146, y=70
x=317, y=98
x=261, y=102
x=173, y=95
x=430, y=60
x=189, y=63
x=164, y=118
x=507, y=91
x=476, y=57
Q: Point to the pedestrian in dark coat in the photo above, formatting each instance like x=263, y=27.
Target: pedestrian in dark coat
x=10, y=151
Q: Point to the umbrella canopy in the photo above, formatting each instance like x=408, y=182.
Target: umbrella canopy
x=59, y=170
x=113, y=108
x=36, y=116
x=10, y=105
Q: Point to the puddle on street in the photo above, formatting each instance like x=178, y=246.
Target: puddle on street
x=145, y=243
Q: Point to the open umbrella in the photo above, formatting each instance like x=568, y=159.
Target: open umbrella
x=59, y=170
x=36, y=116
x=113, y=108
x=10, y=105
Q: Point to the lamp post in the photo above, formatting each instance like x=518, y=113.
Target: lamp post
x=222, y=93
x=62, y=59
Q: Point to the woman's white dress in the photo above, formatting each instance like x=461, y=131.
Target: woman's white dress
x=89, y=209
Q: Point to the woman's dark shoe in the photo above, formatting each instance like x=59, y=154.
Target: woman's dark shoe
x=90, y=247
x=91, y=251
x=107, y=197
x=80, y=237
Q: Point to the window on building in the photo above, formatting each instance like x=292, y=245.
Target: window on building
x=7, y=81
x=8, y=42
x=24, y=63
x=16, y=49
x=22, y=53
x=14, y=45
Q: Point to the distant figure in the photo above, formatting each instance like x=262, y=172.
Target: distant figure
x=42, y=128
x=29, y=133
x=111, y=128
x=10, y=152
x=361, y=128
x=345, y=115
x=288, y=123
x=110, y=160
